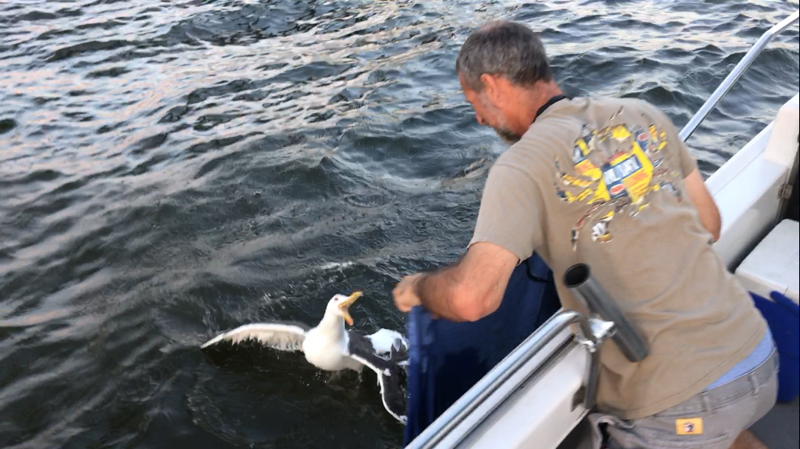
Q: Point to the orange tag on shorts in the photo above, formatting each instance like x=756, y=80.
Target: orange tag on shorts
x=692, y=426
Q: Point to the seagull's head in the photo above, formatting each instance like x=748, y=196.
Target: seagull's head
x=340, y=305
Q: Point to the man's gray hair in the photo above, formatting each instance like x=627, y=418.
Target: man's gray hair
x=506, y=49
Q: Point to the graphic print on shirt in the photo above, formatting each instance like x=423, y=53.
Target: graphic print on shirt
x=616, y=169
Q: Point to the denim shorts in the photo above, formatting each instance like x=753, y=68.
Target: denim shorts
x=711, y=420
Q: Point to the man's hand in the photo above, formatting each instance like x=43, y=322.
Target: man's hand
x=405, y=298
x=467, y=291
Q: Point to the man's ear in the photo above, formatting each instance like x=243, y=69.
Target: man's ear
x=491, y=88
x=497, y=89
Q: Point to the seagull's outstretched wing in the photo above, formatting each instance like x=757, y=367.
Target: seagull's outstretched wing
x=281, y=336
x=388, y=371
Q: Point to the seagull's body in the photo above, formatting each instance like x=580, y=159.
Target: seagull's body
x=326, y=346
x=331, y=347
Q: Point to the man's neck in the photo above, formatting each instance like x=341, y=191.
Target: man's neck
x=534, y=98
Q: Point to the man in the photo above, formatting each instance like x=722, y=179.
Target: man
x=608, y=182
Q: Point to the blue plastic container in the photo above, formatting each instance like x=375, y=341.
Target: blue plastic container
x=783, y=317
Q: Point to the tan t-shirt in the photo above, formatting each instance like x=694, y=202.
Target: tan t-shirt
x=600, y=181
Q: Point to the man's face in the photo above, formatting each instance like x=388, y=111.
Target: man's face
x=488, y=114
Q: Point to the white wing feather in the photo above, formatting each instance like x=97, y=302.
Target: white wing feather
x=284, y=337
x=384, y=339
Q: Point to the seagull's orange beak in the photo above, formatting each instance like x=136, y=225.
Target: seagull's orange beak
x=344, y=307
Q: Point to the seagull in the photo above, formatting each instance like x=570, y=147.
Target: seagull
x=331, y=347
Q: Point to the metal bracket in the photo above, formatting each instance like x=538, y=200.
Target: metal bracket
x=599, y=331
x=592, y=333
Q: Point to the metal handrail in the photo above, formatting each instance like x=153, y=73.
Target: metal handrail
x=735, y=75
x=473, y=398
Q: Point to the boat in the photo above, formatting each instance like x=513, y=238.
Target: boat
x=541, y=392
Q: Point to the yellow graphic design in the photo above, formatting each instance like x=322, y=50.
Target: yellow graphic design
x=614, y=169
x=692, y=426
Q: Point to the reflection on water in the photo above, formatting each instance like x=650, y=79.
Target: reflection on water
x=172, y=169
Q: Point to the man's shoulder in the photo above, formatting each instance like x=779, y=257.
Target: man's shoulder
x=565, y=120
x=521, y=164
x=628, y=106
x=510, y=163
x=616, y=103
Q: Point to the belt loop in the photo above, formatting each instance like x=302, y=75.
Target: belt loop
x=776, y=361
x=704, y=399
x=754, y=383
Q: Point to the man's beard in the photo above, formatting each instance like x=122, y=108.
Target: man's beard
x=501, y=129
x=507, y=136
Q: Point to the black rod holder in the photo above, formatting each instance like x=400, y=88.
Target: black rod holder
x=596, y=299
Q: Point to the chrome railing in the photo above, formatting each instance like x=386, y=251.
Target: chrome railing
x=604, y=321
x=735, y=75
x=473, y=398
x=591, y=333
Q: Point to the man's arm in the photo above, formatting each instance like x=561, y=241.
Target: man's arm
x=693, y=179
x=471, y=289
x=704, y=202
x=508, y=230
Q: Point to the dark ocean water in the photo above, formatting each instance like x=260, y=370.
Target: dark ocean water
x=169, y=170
